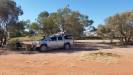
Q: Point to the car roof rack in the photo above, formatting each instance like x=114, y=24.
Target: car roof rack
x=61, y=33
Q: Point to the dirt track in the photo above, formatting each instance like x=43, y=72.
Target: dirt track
x=66, y=63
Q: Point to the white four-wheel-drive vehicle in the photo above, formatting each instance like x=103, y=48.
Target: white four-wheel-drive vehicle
x=55, y=41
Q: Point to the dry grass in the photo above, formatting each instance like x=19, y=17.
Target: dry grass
x=27, y=38
x=101, y=56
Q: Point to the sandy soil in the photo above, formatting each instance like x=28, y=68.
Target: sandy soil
x=66, y=63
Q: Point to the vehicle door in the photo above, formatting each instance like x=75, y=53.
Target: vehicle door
x=52, y=42
x=60, y=42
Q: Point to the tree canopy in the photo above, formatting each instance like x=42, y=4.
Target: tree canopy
x=65, y=20
x=9, y=12
x=120, y=25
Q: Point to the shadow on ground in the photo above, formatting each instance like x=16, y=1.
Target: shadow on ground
x=88, y=46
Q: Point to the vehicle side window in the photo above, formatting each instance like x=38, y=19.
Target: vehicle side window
x=53, y=38
x=68, y=37
x=60, y=38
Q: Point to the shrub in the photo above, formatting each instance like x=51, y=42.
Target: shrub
x=12, y=44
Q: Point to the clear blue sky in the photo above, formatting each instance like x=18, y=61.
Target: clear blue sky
x=97, y=10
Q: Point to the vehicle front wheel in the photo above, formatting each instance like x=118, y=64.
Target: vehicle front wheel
x=43, y=48
x=67, y=46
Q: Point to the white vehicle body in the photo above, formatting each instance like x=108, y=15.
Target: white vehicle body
x=55, y=41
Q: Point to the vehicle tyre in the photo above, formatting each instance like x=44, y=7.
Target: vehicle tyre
x=33, y=48
x=43, y=48
x=67, y=46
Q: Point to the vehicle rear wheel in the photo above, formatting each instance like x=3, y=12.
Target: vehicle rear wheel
x=43, y=48
x=67, y=46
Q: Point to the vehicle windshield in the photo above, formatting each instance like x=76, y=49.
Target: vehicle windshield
x=45, y=38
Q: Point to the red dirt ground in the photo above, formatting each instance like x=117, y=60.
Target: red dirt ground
x=63, y=63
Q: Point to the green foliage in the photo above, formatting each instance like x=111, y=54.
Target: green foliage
x=27, y=38
x=16, y=29
x=73, y=22
x=12, y=44
x=119, y=25
x=34, y=26
x=64, y=20
x=104, y=32
x=9, y=12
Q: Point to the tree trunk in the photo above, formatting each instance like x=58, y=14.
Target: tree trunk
x=122, y=41
x=111, y=41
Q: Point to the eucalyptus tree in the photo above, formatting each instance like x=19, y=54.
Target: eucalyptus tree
x=9, y=11
x=64, y=20
x=122, y=25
